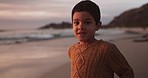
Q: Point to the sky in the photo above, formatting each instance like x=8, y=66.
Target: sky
x=37, y=13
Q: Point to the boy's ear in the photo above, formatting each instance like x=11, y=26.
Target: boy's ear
x=98, y=25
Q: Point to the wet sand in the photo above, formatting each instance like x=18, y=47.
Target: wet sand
x=136, y=55
x=34, y=59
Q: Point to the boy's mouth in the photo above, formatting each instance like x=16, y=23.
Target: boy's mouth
x=82, y=33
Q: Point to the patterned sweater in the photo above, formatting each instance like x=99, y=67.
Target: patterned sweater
x=100, y=59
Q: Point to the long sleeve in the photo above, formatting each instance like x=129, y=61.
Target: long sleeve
x=118, y=63
x=69, y=54
x=69, y=51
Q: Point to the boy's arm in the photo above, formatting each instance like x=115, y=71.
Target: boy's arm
x=69, y=54
x=69, y=51
x=118, y=63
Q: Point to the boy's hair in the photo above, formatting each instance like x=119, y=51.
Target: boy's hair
x=88, y=6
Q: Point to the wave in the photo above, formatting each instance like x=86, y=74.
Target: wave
x=36, y=35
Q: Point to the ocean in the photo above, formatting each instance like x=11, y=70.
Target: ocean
x=21, y=36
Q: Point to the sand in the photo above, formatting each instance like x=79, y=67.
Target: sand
x=35, y=59
x=49, y=59
x=136, y=55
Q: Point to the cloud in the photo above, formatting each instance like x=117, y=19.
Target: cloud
x=55, y=10
x=26, y=2
x=33, y=9
x=25, y=14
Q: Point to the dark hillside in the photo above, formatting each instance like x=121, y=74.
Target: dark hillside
x=137, y=17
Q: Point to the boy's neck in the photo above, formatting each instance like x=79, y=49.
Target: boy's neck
x=87, y=42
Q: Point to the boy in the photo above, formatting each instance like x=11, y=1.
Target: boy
x=92, y=58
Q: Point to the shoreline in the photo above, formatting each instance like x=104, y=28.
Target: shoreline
x=35, y=35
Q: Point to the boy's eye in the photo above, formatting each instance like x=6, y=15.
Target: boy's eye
x=88, y=22
x=76, y=23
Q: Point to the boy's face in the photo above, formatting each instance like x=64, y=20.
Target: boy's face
x=84, y=26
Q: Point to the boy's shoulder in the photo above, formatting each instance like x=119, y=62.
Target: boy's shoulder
x=72, y=46
x=107, y=43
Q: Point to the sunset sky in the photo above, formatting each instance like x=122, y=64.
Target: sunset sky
x=36, y=13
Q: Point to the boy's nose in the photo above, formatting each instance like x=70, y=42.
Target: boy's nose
x=81, y=26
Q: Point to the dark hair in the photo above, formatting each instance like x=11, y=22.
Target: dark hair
x=88, y=6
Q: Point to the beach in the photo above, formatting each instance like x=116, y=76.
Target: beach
x=136, y=55
x=49, y=58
